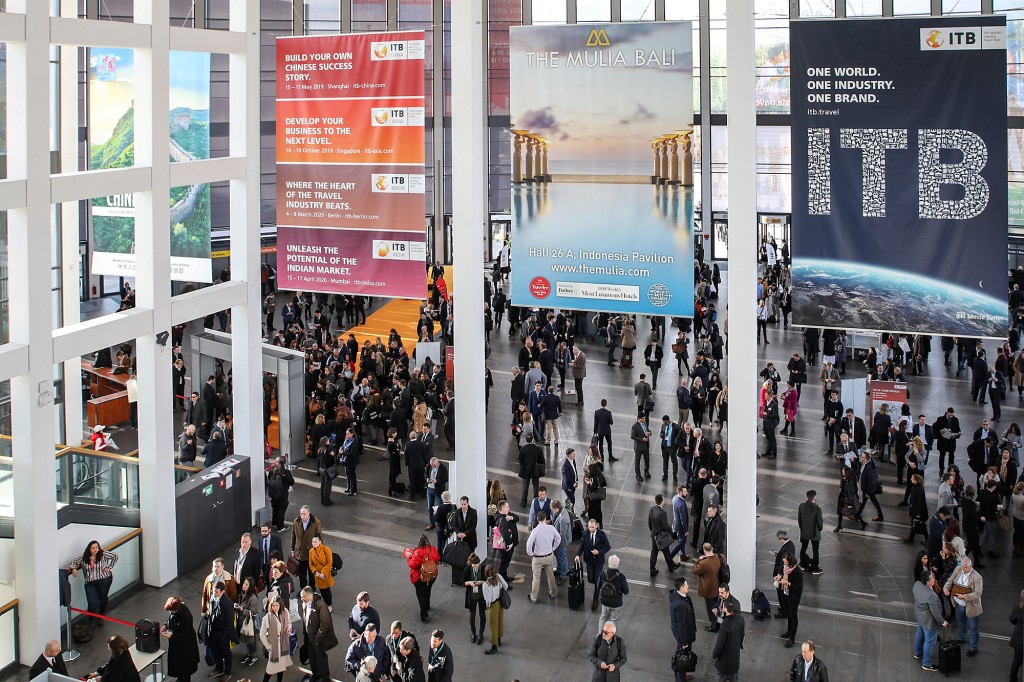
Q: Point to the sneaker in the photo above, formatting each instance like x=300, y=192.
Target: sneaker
x=817, y=571
x=918, y=657
x=930, y=668
x=972, y=653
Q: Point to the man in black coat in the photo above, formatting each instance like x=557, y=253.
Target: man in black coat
x=440, y=660
x=786, y=547
x=508, y=528
x=697, y=504
x=947, y=431
x=318, y=630
x=658, y=524
x=936, y=527
x=855, y=427
x=247, y=561
x=807, y=667
x=729, y=642
x=415, y=461
x=603, y=421
x=193, y=411
x=210, y=401
x=267, y=545
x=465, y=524
x=684, y=623
x=529, y=456
x=714, y=530
x=222, y=630
x=50, y=659
x=653, y=355
x=178, y=374
x=518, y=387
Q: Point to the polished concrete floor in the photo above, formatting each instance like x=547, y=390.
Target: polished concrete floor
x=860, y=612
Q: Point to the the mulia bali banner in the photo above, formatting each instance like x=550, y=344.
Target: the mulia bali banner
x=602, y=197
x=899, y=175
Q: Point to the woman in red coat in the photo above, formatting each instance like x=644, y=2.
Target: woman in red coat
x=422, y=573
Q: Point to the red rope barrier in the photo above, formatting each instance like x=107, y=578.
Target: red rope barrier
x=99, y=615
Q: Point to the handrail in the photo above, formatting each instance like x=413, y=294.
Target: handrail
x=124, y=539
x=182, y=467
x=99, y=454
x=8, y=606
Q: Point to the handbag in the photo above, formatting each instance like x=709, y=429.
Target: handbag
x=684, y=661
x=203, y=631
x=1004, y=522
x=332, y=472
x=879, y=490
x=293, y=565
x=596, y=494
x=293, y=610
x=677, y=348
x=506, y=599
x=497, y=539
x=663, y=539
x=248, y=628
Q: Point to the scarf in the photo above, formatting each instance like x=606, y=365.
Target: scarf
x=786, y=571
x=277, y=627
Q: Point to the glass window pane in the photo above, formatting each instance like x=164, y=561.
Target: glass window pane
x=682, y=9
x=182, y=13
x=902, y=7
x=548, y=12
x=771, y=8
x=1015, y=67
x=961, y=6
x=772, y=53
x=593, y=10
x=322, y=17
x=817, y=8
x=369, y=15
x=637, y=10
x=863, y=8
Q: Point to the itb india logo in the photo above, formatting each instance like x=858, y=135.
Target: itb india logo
x=934, y=39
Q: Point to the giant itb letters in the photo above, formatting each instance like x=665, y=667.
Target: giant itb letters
x=899, y=175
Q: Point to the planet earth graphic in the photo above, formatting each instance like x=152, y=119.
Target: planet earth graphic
x=857, y=296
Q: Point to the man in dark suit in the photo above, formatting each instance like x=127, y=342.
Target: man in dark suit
x=318, y=631
x=947, y=431
x=508, y=528
x=787, y=547
x=222, y=617
x=640, y=434
x=465, y=524
x=268, y=544
x=603, y=421
x=178, y=374
x=50, y=659
x=684, y=622
x=193, y=411
x=923, y=430
x=570, y=476
x=729, y=642
x=247, y=561
x=669, y=442
x=653, y=355
x=593, y=547
x=854, y=426
x=714, y=529
x=415, y=461
x=518, y=391
x=436, y=474
x=700, y=451
x=529, y=456
x=210, y=401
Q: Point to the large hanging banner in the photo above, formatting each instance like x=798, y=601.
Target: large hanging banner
x=899, y=175
x=112, y=145
x=350, y=155
x=601, y=132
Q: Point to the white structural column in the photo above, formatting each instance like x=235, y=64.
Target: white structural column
x=71, y=261
x=743, y=422
x=152, y=279
x=246, y=358
x=30, y=248
x=469, y=215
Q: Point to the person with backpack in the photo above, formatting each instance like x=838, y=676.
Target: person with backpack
x=422, y=573
x=607, y=654
x=279, y=482
x=611, y=585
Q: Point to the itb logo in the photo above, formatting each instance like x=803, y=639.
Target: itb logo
x=947, y=38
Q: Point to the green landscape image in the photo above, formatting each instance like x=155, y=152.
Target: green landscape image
x=113, y=146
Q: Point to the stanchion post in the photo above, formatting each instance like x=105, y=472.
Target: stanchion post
x=69, y=653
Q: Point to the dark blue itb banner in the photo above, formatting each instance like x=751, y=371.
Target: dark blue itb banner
x=900, y=175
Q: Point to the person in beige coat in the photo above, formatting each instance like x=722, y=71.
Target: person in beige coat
x=965, y=587
x=275, y=633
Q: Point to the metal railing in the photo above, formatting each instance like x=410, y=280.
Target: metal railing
x=10, y=648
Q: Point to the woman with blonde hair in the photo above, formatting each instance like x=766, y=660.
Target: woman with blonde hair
x=275, y=633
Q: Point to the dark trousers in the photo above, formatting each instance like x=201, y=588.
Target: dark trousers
x=944, y=464
x=811, y=562
x=326, y=484
x=709, y=605
x=654, y=377
x=423, y=597
x=772, y=447
x=993, y=395
x=646, y=456
x=505, y=559
x=667, y=553
x=696, y=530
x=526, y=488
x=600, y=444
x=579, y=389
x=1018, y=660
x=762, y=328
x=305, y=576
x=792, y=607
x=570, y=497
x=350, y=476
x=278, y=507
x=96, y=593
x=318, y=663
x=476, y=607
x=667, y=455
x=864, y=503
x=220, y=649
x=783, y=601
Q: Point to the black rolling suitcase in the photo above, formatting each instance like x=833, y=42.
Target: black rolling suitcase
x=147, y=636
x=577, y=587
x=949, y=656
